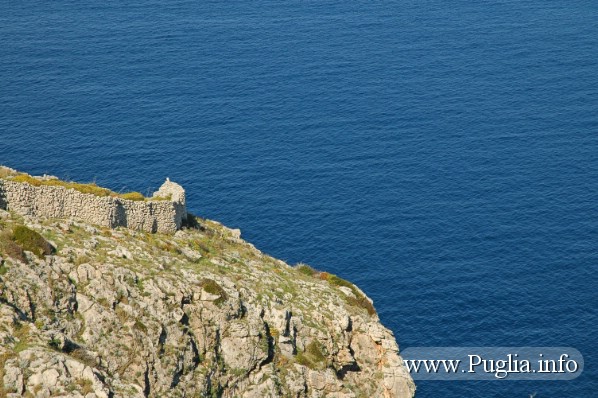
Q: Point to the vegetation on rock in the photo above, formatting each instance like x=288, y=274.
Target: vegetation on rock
x=358, y=299
x=88, y=188
x=201, y=313
x=32, y=241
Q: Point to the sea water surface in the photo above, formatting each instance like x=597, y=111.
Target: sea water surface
x=443, y=155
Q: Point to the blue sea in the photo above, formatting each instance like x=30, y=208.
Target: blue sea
x=442, y=155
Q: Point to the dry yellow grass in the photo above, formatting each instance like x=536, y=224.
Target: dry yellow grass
x=89, y=188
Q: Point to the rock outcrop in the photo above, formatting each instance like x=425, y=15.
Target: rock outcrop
x=201, y=313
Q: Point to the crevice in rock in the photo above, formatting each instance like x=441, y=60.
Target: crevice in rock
x=78, y=352
x=349, y=324
x=75, y=303
x=146, y=381
x=32, y=306
x=180, y=368
x=70, y=346
x=192, y=346
x=22, y=315
x=287, y=328
x=196, y=358
x=176, y=377
x=342, y=372
x=100, y=377
x=162, y=340
x=213, y=391
x=72, y=306
x=270, y=341
x=184, y=320
x=186, y=299
x=219, y=361
x=294, y=340
x=353, y=367
x=242, y=312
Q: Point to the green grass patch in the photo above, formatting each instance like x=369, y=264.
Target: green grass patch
x=83, y=386
x=3, y=358
x=81, y=355
x=21, y=332
x=140, y=326
x=31, y=241
x=133, y=196
x=11, y=249
x=163, y=198
x=358, y=301
x=305, y=269
x=361, y=301
x=210, y=286
x=91, y=188
x=313, y=357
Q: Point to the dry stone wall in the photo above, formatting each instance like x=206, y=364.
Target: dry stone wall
x=164, y=216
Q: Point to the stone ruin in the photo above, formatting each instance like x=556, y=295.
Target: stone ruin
x=164, y=212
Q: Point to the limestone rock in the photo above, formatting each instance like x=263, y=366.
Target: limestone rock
x=198, y=313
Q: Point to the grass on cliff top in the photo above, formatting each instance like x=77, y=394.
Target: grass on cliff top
x=359, y=300
x=214, y=241
x=90, y=188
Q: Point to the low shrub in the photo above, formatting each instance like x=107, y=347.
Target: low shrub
x=85, y=386
x=313, y=357
x=83, y=356
x=359, y=300
x=192, y=222
x=305, y=269
x=210, y=286
x=31, y=241
x=9, y=248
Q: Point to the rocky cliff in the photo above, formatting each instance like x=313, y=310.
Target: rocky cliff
x=88, y=311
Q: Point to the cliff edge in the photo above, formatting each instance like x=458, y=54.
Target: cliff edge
x=90, y=311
